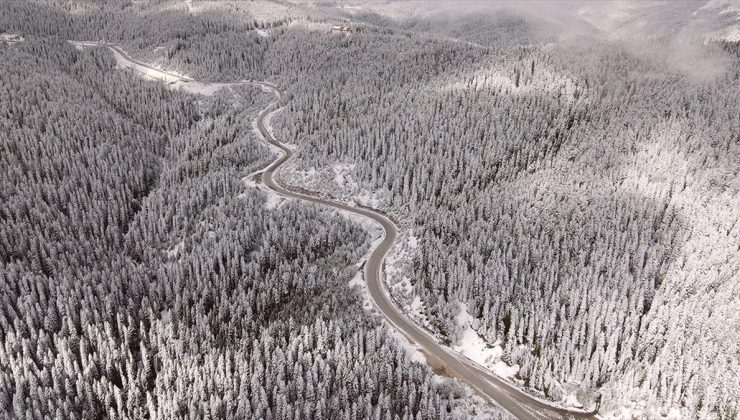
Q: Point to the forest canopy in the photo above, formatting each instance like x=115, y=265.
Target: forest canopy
x=577, y=195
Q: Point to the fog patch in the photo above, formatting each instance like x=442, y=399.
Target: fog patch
x=698, y=62
x=622, y=19
x=701, y=63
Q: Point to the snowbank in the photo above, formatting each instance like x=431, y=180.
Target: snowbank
x=473, y=347
x=173, y=79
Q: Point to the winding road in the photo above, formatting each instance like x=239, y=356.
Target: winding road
x=442, y=359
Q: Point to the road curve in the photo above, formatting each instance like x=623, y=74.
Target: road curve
x=501, y=393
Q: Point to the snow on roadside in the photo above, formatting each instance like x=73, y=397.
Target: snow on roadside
x=198, y=88
x=466, y=404
x=398, y=279
x=343, y=175
x=571, y=400
x=412, y=349
x=249, y=181
x=270, y=146
x=372, y=199
x=336, y=181
x=174, y=80
x=640, y=410
x=274, y=201
x=267, y=121
x=152, y=73
x=375, y=233
x=359, y=281
x=473, y=347
x=307, y=179
x=373, y=228
x=417, y=311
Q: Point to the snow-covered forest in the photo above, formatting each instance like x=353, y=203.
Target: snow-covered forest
x=585, y=213
x=577, y=195
x=142, y=278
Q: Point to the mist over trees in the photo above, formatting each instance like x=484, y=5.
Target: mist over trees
x=579, y=196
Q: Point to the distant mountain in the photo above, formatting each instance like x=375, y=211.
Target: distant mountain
x=713, y=19
x=704, y=19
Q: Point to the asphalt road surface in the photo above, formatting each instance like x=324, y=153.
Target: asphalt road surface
x=442, y=359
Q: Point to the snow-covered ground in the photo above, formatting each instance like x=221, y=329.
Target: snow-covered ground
x=465, y=403
x=206, y=89
x=639, y=410
x=375, y=233
x=268, y=123
x=11, y=38
x=173, y=79
x=398, y=268
x=337, y=181
x=164, y=75
x=273, y=200
x=398, y=279
x=499, y=75
x=358, y=281
x=276, y=150
x=473, y=347
x=165, y=316
x=173, y=252
x=368, y=198
x=343, y=175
